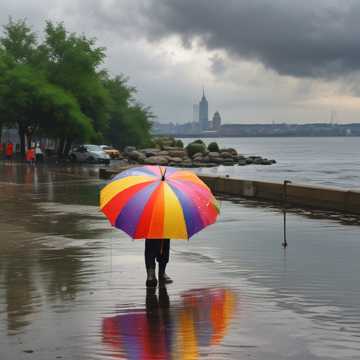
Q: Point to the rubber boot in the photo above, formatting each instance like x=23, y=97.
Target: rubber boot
x=151, y=280
x=163, y=277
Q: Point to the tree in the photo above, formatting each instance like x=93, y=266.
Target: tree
x=128, y=121
x=71, y=62
x=19, y=41
x=30, y=102
x=56, y=88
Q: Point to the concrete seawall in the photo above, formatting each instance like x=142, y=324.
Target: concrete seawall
x=297, y=195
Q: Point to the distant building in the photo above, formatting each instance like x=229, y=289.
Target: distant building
x=196, y=113
x=216, y=121
x=204, y=113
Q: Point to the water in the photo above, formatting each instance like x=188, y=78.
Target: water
x=333, y=162
x=73, y=288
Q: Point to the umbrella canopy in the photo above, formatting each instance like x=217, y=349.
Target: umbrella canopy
x=158, y=203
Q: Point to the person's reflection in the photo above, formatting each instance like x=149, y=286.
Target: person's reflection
x=158, y=322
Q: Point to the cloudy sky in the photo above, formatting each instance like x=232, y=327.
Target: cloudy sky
x=259, y=60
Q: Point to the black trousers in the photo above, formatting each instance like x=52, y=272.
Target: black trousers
x=156, y=249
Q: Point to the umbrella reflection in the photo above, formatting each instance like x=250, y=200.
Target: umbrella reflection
x=177, y=331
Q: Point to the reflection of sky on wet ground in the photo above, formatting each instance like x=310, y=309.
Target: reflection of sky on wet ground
x=63, y=271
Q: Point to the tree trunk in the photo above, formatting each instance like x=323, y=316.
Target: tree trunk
x=67, y=147
x=22, y=140
x=61, y=147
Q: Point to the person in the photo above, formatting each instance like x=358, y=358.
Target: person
x=30, y=156
x=39, y=154
x=159, y=250
x=9, y=152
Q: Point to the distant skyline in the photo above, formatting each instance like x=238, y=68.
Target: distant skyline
x=260, y=61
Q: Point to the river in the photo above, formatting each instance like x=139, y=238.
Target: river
x=330, y=161
x=71, y=287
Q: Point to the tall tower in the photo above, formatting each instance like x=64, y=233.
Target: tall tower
x=203, y=112
x=195, y=112
x=216, y=121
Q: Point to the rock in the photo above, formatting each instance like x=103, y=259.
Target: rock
x=156, y=160
x=162, y=153
x=232, y=151
x=213, y=154
x=258, y=161
x=129, y=149
x=228, y=162
x=187, y=160
x=150, y=152
x=171, y=148
x=217, y=160
x=176, y=160
x=198, y=155
x=137, y=156
x=226, y=155
x=177, y=153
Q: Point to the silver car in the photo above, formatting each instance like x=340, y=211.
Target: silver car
x=89, y=153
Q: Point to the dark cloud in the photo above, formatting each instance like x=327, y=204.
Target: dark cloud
x=217, y=64
x=302, y=39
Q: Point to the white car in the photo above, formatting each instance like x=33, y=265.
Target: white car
x=89, y=153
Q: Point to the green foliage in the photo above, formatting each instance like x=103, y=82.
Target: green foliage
x=213, y=147
x=195, y=147
x=19, y=41
x=179, y=143
x=199, y=141
x=57, y=89
x=128, y=121
x=162, y=141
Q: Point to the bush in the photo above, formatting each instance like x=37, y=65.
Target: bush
x=198, y=141
x=179, y=144
x=194, y=148
x=213, y=147
x=162, y=141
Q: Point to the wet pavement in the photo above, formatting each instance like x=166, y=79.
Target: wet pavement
x=71, y=287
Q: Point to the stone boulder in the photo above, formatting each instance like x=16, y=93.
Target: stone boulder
x=197, y=156
x=226, y=155
x=163, y=153
x=180, y=153
x=213, y=154
x=137, y=156
x=232, y=151
x=150, y=152
x=171, y=148
x=129, y=149
x=217, y=160
x=157, y=160
x=228, y=162
x=175, y=160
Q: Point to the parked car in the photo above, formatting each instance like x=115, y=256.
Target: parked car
x=112, y=152
x=89, y=153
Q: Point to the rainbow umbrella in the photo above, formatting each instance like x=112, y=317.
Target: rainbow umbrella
x=158, y=203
